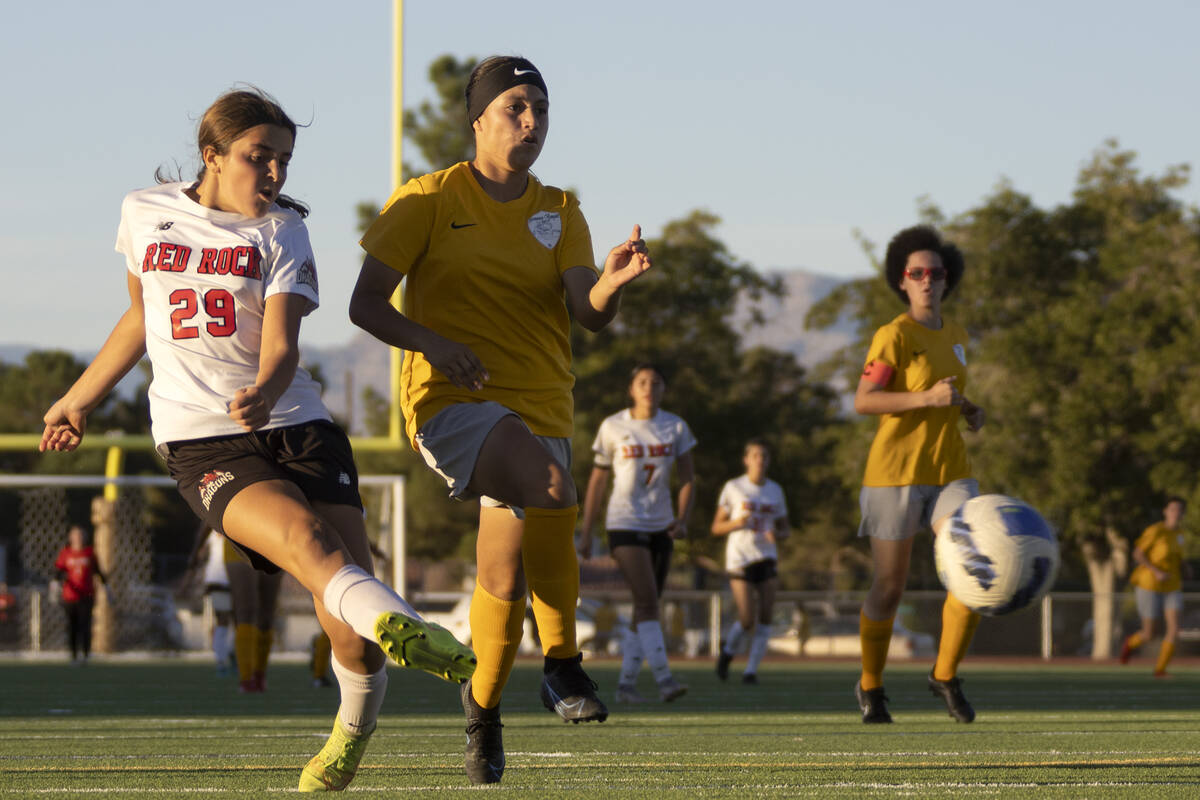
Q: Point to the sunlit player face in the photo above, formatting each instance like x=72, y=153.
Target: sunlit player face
x=251, y=175
x=646, y=389
x=756, y=459
x=924, y=280
x=512, y=130
x=75, y=538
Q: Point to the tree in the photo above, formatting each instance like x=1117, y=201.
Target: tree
x=1082, y=323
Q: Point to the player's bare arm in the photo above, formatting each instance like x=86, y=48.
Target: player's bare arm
x=371, y=309
x=66, y=420
x=872, y=397
x=277, y=361
x=724, y=524
x=597, y=483
x=594, y=300
x=686, y=472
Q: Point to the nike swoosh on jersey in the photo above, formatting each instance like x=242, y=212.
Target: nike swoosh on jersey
x=457, y=225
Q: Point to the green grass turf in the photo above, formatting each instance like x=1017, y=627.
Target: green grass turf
x=164, y=730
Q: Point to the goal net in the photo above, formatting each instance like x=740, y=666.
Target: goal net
x=143, y=533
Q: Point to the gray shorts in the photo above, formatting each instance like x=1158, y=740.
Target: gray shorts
x=896, y=513
x=451, y=441
x=1152, y=604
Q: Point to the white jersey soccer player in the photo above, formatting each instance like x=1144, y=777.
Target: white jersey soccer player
x=204, y=323
x=640, y=454
x=760, y=506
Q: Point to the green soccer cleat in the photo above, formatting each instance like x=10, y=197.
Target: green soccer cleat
x=332, y=769
x=417, y=644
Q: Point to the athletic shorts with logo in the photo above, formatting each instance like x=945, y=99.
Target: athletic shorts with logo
x=451, y=440
x=315, y=456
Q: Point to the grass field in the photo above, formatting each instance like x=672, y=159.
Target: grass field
x=166, y=729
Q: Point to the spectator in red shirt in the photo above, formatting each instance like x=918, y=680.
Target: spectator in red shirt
x=77, y=569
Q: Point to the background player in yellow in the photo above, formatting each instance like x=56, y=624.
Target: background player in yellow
x=1157, y=583
x=494, y=260
x=917, y=471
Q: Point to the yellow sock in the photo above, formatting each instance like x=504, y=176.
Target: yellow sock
x=875, y=635
x=1164, y=656
x=245, y=637
x=1135, y=641
x=958, y=628
x=552, y=572
x=496, y=627
x=262, y=649
x=322, y=647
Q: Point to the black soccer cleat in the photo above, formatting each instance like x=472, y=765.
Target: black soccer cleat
x=750, y=679
x=723, y=662
x=485, y=744
x=569, y=692
x=873, y=703
x=951, y=692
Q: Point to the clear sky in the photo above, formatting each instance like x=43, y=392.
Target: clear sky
x=795, y=122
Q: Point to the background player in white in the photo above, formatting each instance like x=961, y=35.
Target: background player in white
x=752, y=512
x=220, y=273
x=637, y=447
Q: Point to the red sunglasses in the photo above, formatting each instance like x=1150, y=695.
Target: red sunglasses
x=918, y=273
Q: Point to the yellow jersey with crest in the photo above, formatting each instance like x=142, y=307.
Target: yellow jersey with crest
x=488, y=275
x=1163, y=548
x=923, y=446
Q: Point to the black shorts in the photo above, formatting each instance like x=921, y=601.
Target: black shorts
x=315, y=456
x=756, y=571
x=659, y=543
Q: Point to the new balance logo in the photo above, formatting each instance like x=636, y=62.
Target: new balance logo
x=163, y=226
x=344, y=479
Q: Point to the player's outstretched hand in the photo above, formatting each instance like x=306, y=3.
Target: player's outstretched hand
x=457, y=362
x=677, y=529
x=250, y=408
x=627, y=260
x=64, y=428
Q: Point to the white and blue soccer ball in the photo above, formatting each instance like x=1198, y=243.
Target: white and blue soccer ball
x=997, y=556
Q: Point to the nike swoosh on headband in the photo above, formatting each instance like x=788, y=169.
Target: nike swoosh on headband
x=524, y=71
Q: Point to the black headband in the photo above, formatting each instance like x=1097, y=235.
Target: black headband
x=498, y=80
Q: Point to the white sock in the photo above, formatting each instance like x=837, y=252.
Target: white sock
x=362, y=696
x=651, y=635
x=758, y=647
x=220, y=644
x=733, y=639
x=631, y=658
x=357, y=599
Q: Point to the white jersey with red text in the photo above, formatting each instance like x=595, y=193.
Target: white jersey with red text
x=759, y=505
x=205, y=276
x=640, y=453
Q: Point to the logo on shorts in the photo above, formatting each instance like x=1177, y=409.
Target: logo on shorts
x=546, y=227
x=210, y=483
x=344, y=479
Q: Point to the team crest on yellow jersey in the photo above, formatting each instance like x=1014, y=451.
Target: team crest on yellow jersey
x=546, y=227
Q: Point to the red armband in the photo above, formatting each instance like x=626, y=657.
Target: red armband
x=879, y=373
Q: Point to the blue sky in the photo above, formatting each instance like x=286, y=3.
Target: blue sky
x=795, y=122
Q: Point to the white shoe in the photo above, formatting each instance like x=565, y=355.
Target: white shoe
x=629, y=694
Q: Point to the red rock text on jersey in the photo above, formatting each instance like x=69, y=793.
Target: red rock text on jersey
x=241, y=262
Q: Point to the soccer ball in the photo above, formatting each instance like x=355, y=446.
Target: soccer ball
x=998, y=555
